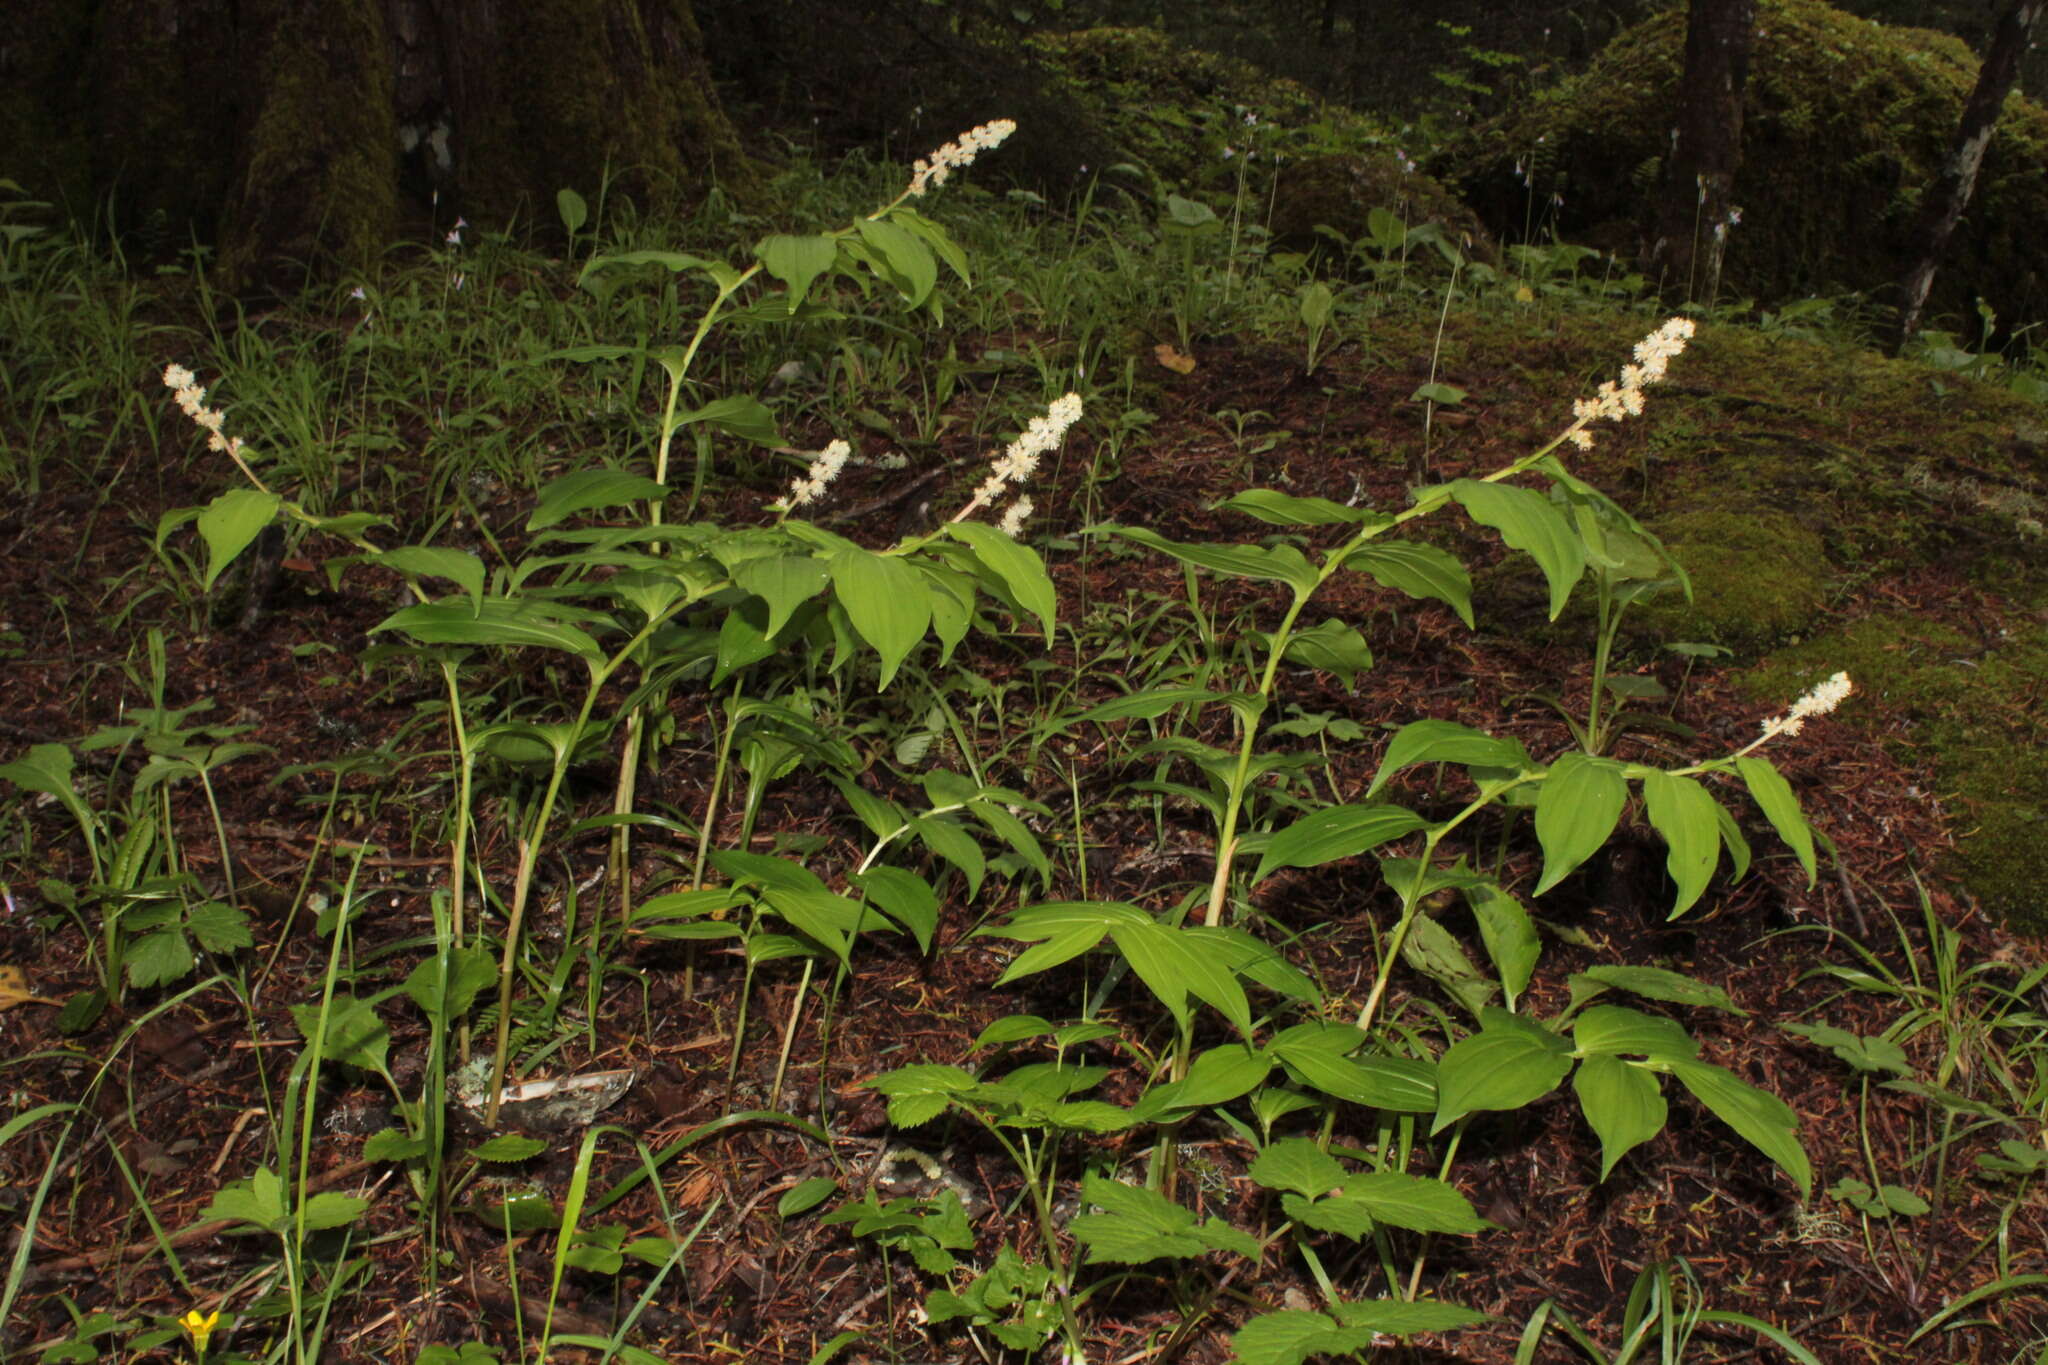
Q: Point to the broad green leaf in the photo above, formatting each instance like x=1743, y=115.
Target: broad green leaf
x=1421, y=571
x=887, y=603
x=935, y=237
x=1279, y=563
x=1331, y=647
x=1173, y=966
x=1338, y=1213
x=1444, y=741
x=1614, y=1030
x=1527, y=522
x=796, y=261
x=1509, y=935
x=1652, y=983
x=1012, y=1028
x=1298, y=1165
x=1218, y=1075
x=506, y=1148
x=904, y=897
x=1017, y=564
x=355, y=1036
x=944, y=837
x=572, y=209
x=1062, y=946
x=459, y=567
x=1444, y=395
x=470, y=971
x=1576, y=810
x=258, y=1200
x=1507, y=1064
x=1683, y=812
x=1390, y=1083
x=805, y=1195
x=47, y=769
x=1764, y=1121
x=494, y=621
x=784, y=582
x=740, y=415
x=906, y=256
x=229, y=523
x=1335, y=832
x=1284, y=509
x=587, y=488
x=1623, y=1104
x=1316, y=304
x=1773, y=796
x=1433, y=951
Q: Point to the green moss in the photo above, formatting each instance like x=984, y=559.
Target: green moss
x=1759, y=577
x=1846, y=122
x=1972, y=710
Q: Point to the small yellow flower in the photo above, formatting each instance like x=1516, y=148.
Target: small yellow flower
x=200, y=1327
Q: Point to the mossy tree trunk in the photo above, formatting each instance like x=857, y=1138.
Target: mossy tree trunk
x=1693, y=208
x=1941, y=207
x=293, y=136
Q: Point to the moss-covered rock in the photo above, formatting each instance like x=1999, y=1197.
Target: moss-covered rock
x=1340, y=191
x=1845, y=123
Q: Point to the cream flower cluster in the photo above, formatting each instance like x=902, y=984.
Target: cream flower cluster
x=1824, y=698
x=825, y=467
x=1020, y=460
x=184, y=386
x=930, y=172
x=1618, y=401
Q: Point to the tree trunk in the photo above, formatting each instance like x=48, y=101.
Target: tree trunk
x=1941, y=207
x=295, y=136
x=1693, y=208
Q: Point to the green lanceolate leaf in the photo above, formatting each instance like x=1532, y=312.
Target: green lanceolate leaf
x=1175, y=966
x=740, y=415
x=493, y=621
x=1773, y=796
x=885, y=600
x=1651, y=983
x=587, y=488
x=1509, y=1063
x=1527, y=522
x=1622, y=1102
x=1284, y=509
x=1421, y=571
x=1331, y=647
x=1684, y=813
x=1615, y=1031
x=1509, y=935
x=1278, y=563
x=1764, y=1121
x=907, y=257
x=1576, y=811
x=1443, y=741
x=1016, y=564
x=459, y=567
x=1335, y=832
x=1145, y=704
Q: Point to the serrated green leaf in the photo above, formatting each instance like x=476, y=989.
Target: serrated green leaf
x=1298, y=1165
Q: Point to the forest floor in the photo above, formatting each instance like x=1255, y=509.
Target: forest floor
x=181, y=1107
